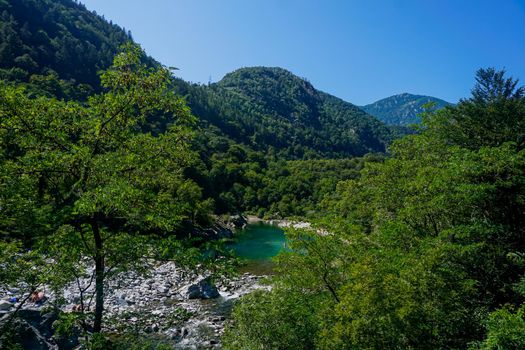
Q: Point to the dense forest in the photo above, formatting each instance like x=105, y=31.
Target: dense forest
x=423, y=251
x=56, y=47
x=108, y=162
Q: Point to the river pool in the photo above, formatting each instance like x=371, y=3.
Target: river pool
x=256, y=244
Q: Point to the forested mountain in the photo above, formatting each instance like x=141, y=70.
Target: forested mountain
x=403, y=109
x=272, y=110
x=253, y=117
x=251, y=120
x=57, y=46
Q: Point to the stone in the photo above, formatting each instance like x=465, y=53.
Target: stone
x=35, y=331
x=203, y=289
x=5, y=305
x=163, y=289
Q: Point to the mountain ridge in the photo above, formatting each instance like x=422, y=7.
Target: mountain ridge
x=271, y=106
x=403, y=109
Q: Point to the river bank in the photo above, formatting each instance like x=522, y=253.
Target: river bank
x=159, y=303
x=283, y=223
x=187, y=309
x=286, y=223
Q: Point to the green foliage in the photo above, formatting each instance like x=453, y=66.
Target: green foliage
x=93, y=183
x=415, y=253
x=494, y=115
x=131, y=342
x=57, y=47
x=241, y=180
x=505, y=330
x=272, y=320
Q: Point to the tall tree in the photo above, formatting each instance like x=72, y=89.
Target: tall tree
x=90, y=176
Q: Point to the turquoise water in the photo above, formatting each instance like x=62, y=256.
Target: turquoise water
x=257, y=244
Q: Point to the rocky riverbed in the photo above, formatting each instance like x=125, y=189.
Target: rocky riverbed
x=188, y=309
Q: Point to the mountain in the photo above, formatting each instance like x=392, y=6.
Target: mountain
x=56, y=46
x=402, y=109
x=271, y=109
x=261, y=131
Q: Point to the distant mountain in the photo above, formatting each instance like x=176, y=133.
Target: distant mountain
x=402, y=109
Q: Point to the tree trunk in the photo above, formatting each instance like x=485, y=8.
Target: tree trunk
x=99, y=277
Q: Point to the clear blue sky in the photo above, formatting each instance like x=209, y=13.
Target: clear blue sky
x=359, y=50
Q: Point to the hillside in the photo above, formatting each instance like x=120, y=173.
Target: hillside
x=251, y=120
x=272, y=110
x=402, y=109
x=57, y=47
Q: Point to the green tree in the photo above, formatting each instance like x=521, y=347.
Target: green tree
x=414, y=251
x=493, y=115
x=91, y=176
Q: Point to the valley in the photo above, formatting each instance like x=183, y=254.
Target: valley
x=140, y=211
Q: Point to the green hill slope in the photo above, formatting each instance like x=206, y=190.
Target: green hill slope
x=57, y=46
x=253, y=124
x=271, y=109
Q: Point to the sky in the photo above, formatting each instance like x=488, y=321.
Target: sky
x=358, y=50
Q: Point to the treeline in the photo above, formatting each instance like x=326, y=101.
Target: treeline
x=240, y=180
x=425, y=250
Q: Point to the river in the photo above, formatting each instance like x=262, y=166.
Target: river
x=256, y=244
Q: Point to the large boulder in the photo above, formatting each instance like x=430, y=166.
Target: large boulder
x=203, y=289
x=5, y=305
x=237, y=222
x=30, y=330
x=33, y=330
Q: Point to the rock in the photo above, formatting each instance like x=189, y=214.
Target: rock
x=157, y=312
x=5, y=305
x=237, y=222
x=29, y=337
x=34, y=330
x=163, y=289
x=203, y=289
